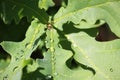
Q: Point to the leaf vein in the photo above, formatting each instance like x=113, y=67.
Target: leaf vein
x=73, y=12
x=89, y=60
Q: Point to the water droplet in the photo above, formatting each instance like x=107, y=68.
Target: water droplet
x=5, y=77
x=46, y=41
x=52, y=49
x=27, y=45
x=48, y=77
x=55, y=74
x=16, y=59
x=51, y=40
x=111, y=69
x=15, y=68
x=74, y=45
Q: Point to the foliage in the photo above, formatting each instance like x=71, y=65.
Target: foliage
x=64, y=40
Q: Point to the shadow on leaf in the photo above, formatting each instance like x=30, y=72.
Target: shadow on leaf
x=36, y=75
x=69, y=28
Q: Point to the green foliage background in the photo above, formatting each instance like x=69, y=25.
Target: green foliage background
x=40, y=41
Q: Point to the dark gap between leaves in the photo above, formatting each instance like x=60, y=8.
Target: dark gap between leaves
x=83, y=20
x=64, y=42
x=36, y=75
x=59, y=2
x=72, y=64
x=13, y=32
x=105, y=34
x=3, y=54
x=68, y=28
x=54, y=9
x=77, y=64
x=88, y=68
x=97, y=22
x=37, y=54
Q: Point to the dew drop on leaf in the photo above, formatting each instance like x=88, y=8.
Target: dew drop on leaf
x=16, y=59
x=48, y=77
x=46, y=41
x=15, y=68
x=27, y=45
x=52, y=49
x=55, y=74
x=5, y=77
x=51, y=40
x=111, y=69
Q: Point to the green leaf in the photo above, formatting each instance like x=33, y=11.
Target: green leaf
x=46, y=4
x=32, y=70
x=3, y=65
x=65, y=73
x=89, y=12
x=68, y=45
x=59, y=67
x=20, y=51
x=16, y=9
x=54, y=64
x=103, y=57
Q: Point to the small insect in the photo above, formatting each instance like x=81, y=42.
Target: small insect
x=49, y=26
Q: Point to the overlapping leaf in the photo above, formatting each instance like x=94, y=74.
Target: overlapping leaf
x=21, y=51
x=45, y=4
x=61, y=70
x=89, y=11
x=16, y=9
x=102, y=57
x=54, y=63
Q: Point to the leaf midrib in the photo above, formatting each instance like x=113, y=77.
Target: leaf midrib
x=88, y=59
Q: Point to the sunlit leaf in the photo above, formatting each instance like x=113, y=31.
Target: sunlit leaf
x=45, y=4
x=89, y=12
x=102, y=57
x=21, y=51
